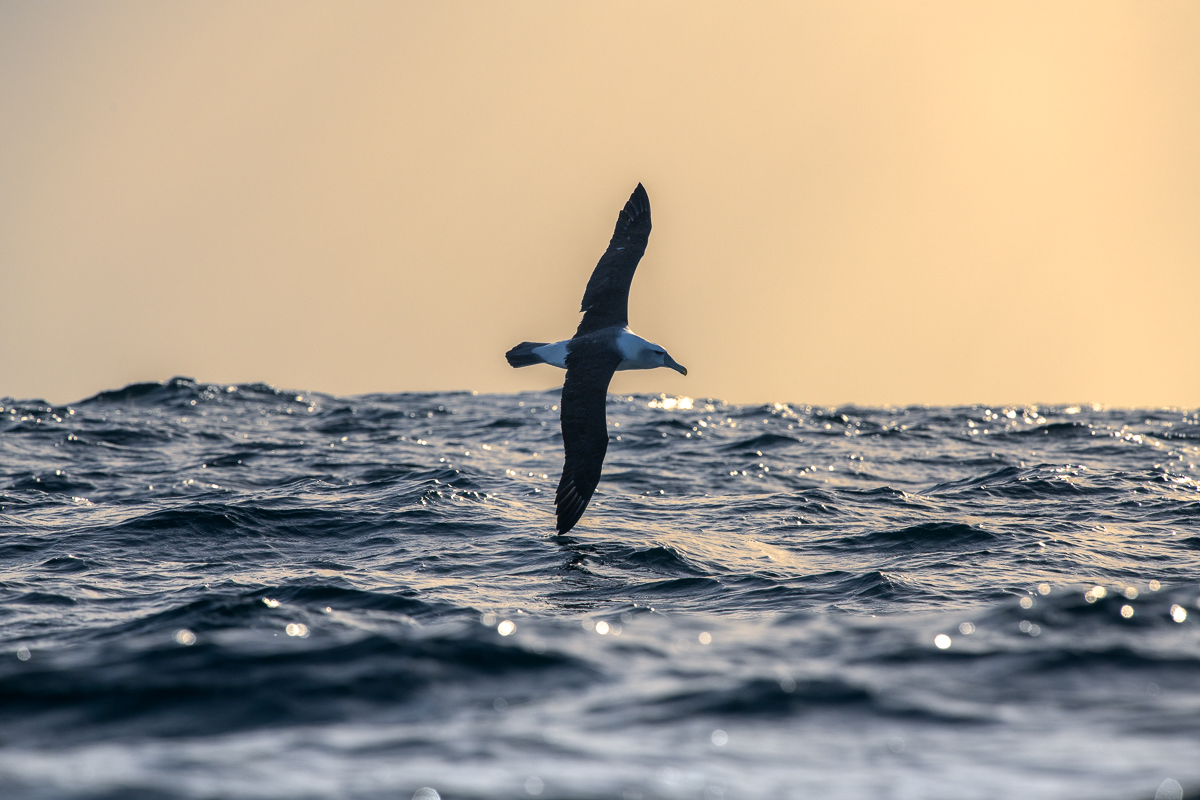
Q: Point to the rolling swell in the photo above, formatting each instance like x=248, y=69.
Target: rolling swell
x=366, y=595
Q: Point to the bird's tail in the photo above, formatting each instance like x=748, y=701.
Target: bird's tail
x=523, y=356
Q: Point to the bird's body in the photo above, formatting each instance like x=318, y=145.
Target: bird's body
x=636, y=352
x=601, y=346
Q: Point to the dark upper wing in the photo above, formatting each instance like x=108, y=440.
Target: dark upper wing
x=590, y=366
x=606, y=299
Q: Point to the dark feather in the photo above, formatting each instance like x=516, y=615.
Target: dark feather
x=606, y=299
x=591, y=362
x=523, y=356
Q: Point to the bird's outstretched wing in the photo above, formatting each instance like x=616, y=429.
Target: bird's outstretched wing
x=606, y=299
x=590, y=367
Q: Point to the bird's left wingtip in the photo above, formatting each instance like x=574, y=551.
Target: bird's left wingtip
x=638, y=204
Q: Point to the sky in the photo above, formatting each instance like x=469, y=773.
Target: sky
x=868, y=202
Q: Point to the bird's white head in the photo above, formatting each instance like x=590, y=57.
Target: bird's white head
x=665, y=360
x=640, y=354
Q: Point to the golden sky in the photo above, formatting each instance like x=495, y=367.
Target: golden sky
x=870, y=202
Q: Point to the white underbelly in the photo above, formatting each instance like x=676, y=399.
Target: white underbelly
x=554, y=354
x=634, y=351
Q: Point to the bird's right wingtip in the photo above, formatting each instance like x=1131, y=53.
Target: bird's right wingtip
x=567, y=519
x=569, y=505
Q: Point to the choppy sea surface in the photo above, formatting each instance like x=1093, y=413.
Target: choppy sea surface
x=214, y=591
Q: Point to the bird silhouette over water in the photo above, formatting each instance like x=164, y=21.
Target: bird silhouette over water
x=602, y=345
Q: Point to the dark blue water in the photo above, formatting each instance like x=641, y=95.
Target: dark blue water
x=237, y=592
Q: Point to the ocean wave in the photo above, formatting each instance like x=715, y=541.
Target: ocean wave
x=757, y=595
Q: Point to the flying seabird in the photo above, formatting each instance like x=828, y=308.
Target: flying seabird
x=602, y=345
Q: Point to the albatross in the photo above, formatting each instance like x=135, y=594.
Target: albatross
x=602, y=345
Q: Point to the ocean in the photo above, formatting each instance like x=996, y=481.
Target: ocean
x=235, y=591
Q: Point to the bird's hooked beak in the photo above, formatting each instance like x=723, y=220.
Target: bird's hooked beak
x=673, y=364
